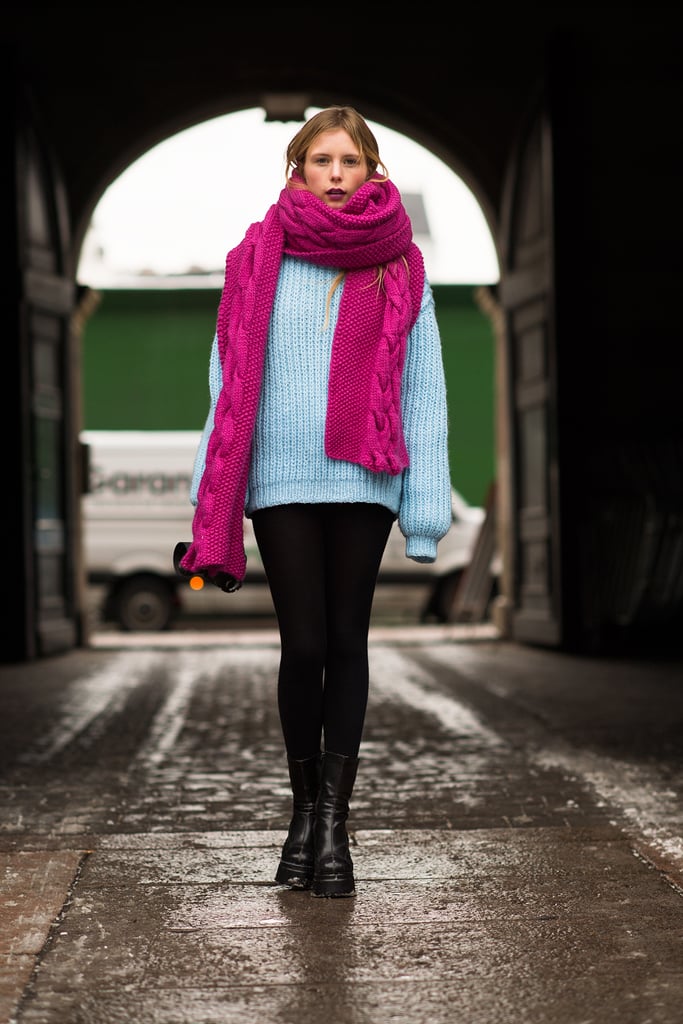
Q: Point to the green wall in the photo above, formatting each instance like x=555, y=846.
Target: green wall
x=146, y=358
x=146, y=355
x=468, y=345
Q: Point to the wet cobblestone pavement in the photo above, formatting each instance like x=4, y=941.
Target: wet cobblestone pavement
x=517, y=829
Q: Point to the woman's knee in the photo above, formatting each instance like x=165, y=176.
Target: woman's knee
x=347, y=648
x=304, y=660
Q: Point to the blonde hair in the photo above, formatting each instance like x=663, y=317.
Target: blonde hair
x=330, y=120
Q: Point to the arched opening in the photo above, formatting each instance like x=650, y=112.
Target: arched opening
x=177, y=209
x=152, y=262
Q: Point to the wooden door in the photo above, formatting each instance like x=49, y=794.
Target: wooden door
x=527, y=296
x=44, y=451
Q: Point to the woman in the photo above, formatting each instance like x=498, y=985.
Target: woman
x=328, y=420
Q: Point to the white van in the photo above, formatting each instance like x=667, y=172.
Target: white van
x=137, y=508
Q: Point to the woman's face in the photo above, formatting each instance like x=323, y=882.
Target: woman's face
x=333, y=169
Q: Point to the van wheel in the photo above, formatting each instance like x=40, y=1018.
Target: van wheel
x=144, y=604
x=440, y=602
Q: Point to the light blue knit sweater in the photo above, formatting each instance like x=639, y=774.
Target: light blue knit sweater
x=288, y=461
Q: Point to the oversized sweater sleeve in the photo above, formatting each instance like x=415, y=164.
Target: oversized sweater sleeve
x=425, y=512
x=215, y=384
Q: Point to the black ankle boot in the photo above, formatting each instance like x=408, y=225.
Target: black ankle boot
x=296, y=861
x=333, y=875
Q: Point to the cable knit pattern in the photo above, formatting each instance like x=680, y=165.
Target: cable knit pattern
x=364, y=411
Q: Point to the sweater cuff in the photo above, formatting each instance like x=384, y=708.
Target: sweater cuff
x=421, y=549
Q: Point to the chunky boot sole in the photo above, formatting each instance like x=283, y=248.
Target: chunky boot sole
x=293, y=875
x=333, y=887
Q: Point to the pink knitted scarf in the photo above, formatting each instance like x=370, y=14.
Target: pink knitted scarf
x=363, y=422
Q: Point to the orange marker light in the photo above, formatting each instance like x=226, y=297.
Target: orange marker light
x=196, y=582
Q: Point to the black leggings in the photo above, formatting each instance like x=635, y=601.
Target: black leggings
x=321, y=562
